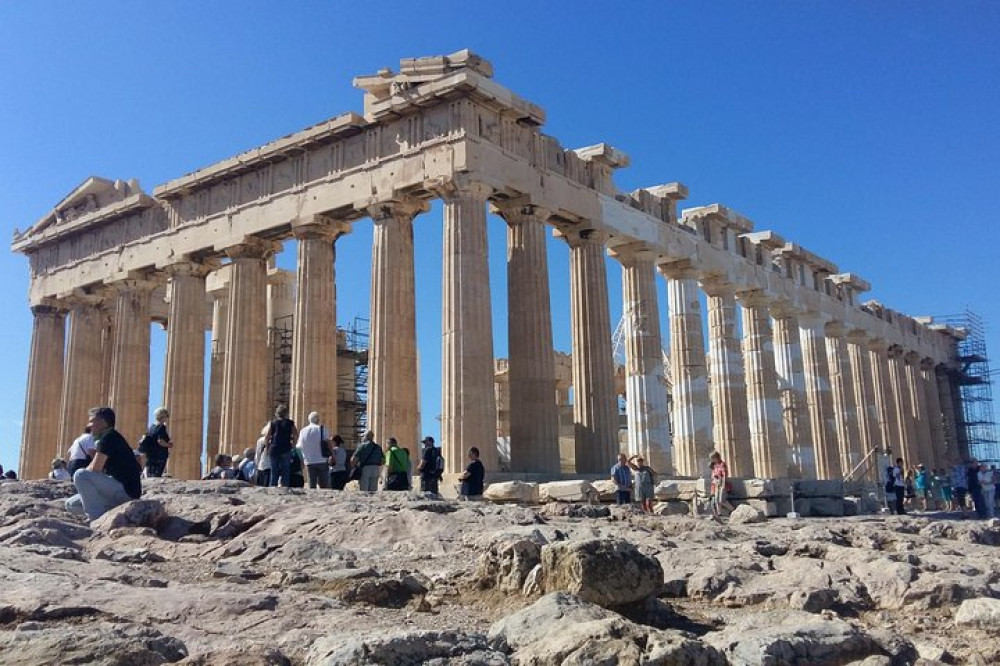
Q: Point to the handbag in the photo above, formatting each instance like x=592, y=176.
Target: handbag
x=324, y=445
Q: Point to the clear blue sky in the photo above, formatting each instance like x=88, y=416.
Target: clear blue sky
x=867, y=132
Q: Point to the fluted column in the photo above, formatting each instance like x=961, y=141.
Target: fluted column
x=534, y=415
x=818, y=396
x=946, y=388
x=727, y=384
x=393, y=389
x=468, y=402
x=314, y=329
x=844, y=402
x=595, y=409
x=244, y=391
x=918, y=407
x=866, y=404
x=792, y=393
x=184, y=375
x=768, y=440
x=646, y=403
x=217, y=373
x=108, y=318
x=692, y=406
x=43, y=396
x=130, y=361
x=908, y=445
x=935, y=420
x=83, y=368
x=885, y=396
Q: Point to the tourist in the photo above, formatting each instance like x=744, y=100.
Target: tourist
x=247, y=469
x=989, y=490
x=156, y=444
x=943, y=483
x=296, y=469
x=472, y=478
x=312, y=444
x=720, y=485
x=899, y=487
x=996, y=483
x=959, y=485
x=280, y=434
x=431, y=467
x=338, y=464
x=397, y=464
x=223, y=468
x=10, y=475
x=59, y=472
x=621, y=475
x=921, y=484
x=975, y=488
x=81, y=452
x=262, y=461
x=368, y=459
x=114, y=475
x=909, y=492
x=643, y=482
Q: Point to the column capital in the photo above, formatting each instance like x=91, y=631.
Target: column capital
x=835, y=329
x=457, y=187
x=575, y=236
x=80, y=298
x=147, y=283
x=519, y=210
x=878, y=345
x=928, y=364
x=398, y=208
x=911, y=357
x=895, y=351
x=48, y=308
x=193, y=267
x=319, y=227
x=631, y=254
x=755, y=298
x=857, y=336
x=813, y=320
x=678, y=270
x=253, y=247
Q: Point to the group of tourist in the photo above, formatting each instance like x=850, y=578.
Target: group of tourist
x=968, y=486
x=635, y=480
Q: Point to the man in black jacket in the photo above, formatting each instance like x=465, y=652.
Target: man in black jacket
x=113, y=476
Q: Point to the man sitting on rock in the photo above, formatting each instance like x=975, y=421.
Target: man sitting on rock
x=113, y=476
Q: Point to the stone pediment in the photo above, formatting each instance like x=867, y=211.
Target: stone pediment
x=90, y=200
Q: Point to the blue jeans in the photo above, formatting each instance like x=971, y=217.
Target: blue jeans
x=97, y=493
x=624, y=496
x=280, y=464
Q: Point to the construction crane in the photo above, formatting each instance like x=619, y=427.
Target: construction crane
x=618, y=350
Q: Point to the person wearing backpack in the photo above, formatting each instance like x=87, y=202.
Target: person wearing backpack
x=281, y=433
x=431, y=466
x=155, y=445
x=367, y=461
x=397, y=466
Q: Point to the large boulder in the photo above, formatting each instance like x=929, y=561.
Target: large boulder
x=566, y=491
x=408, y=647
x=553, y=612
x=512, y=491
x=138, y=513
x=607, y=490
x=101, y=643
x=607, y=572
x=507, y=562
x=982, y=612
x=791, y=637
x=744, y=514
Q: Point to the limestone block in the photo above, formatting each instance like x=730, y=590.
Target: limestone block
x=512, y=491
x=607, y=572
x=677, y=489
x=566, y=491
x=823, y=507
x=759, y=488
x=745, y=513
x=819, y=488
x=671, y=508
x=770, y=508
x=606, y=490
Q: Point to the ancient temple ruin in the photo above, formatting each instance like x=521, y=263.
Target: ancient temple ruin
x=816, y=382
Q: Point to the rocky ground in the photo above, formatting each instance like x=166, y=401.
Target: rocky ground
x=215, y=573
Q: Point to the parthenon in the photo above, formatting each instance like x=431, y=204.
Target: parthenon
x=817, y=380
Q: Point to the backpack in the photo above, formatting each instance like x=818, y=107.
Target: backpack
x=890, y=479
x=147, y=441
x=396, y=462
x=440, y=466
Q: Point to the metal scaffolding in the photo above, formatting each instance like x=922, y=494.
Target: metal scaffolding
x=973, y=378
x=279, y=342
x=352, y=386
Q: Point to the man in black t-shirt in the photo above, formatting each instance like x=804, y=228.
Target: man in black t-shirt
x=113, y=476
x=280, y=436
x=472, y=477
x=430, y=466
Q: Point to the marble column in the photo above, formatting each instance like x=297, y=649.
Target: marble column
x=818, y=396
x=43, y=396
x=767, y=432
x=130, y=361
x=595, y=409
x=108, y=311
x=534, y=415
x=950, y=417
x=394, y=388
x=646, y=403
x=918, y=407
x=934, y=418
x=844, y=402
x=792, y=393
x=885, y=397
x=314, y=329
x=468, y=402
x=217, y=372
x=83, y=369
x=692, y=406
x=866, y=404
x=907, y=445
x=727, y=385
x=184, y=374
x=244, y=390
